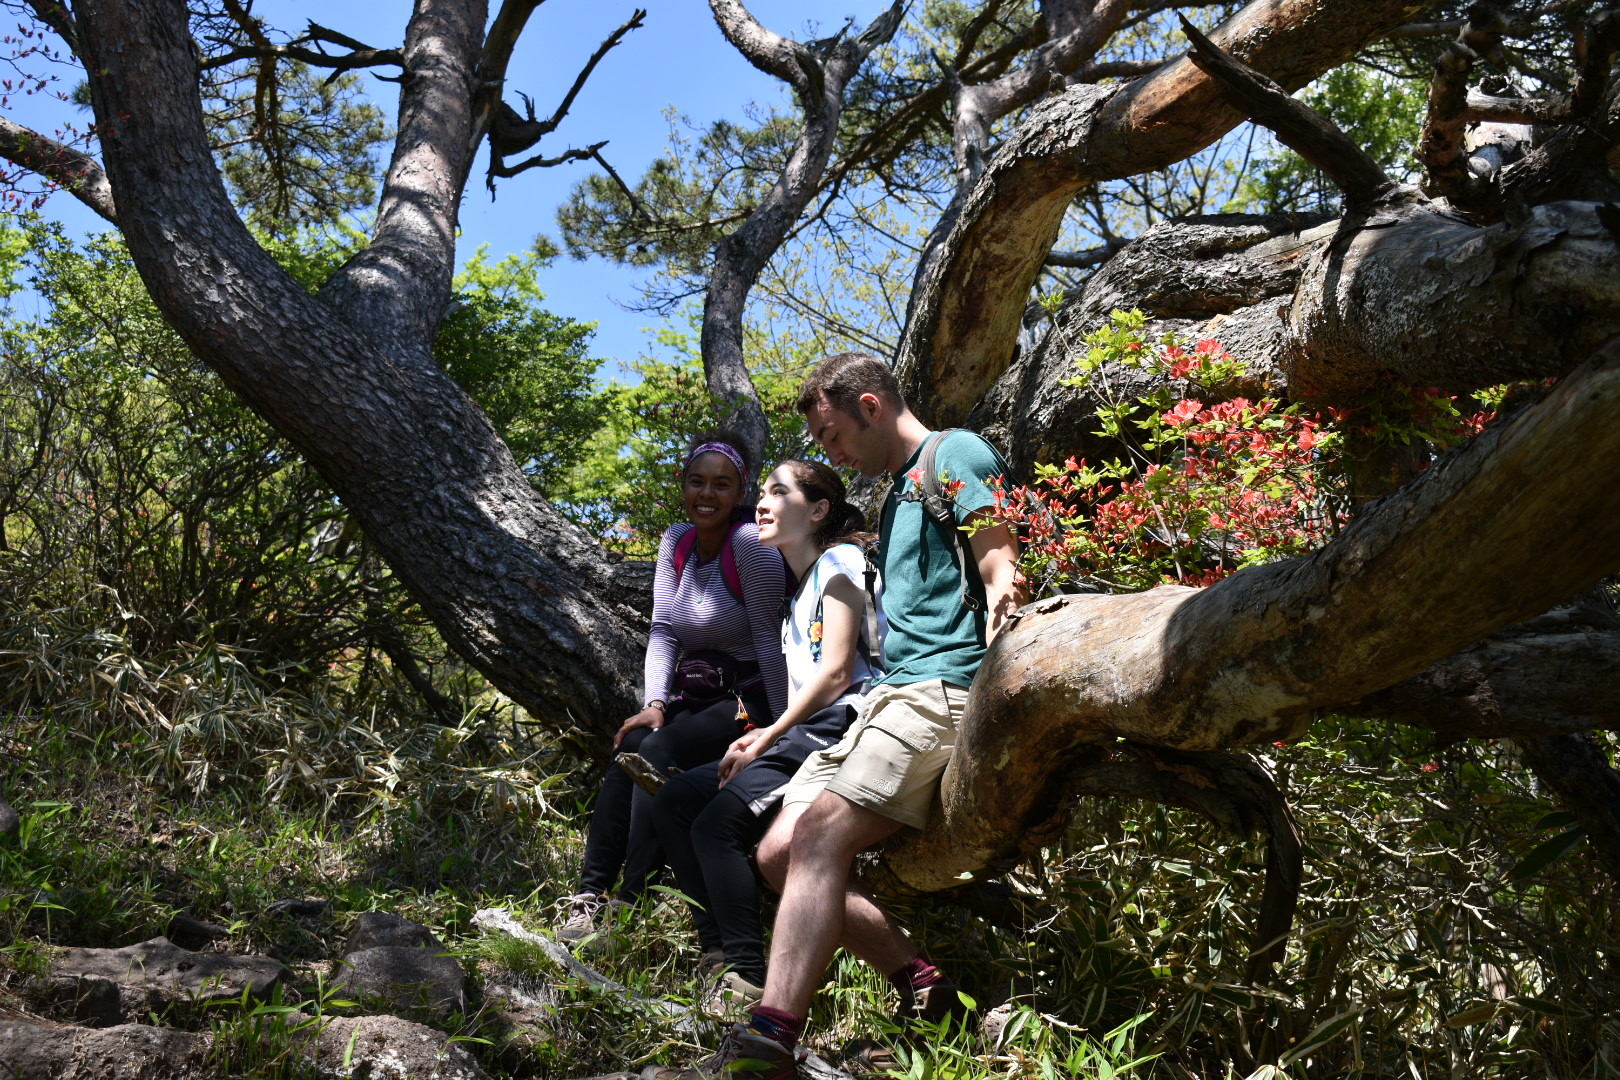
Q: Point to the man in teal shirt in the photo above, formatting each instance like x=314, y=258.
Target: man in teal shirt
x=884, y=775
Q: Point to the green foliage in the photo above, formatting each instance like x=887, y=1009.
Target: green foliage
x=145, y=513
x=627, y=490
x=527, y=368
x=1381, y=112
x=297, y=149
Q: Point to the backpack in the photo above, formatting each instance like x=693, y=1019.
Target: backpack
x=687, y=544
x=937, y=507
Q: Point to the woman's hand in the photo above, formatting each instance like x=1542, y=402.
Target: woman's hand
x=739, y=754
x=652, y=716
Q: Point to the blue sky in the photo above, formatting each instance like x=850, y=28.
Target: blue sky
x=679, y=58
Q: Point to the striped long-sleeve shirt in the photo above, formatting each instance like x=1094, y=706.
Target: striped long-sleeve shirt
x=699, y=612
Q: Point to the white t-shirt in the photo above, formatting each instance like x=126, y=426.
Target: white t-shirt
x=801, y=633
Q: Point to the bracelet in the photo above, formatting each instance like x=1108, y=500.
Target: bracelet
x=655, y=704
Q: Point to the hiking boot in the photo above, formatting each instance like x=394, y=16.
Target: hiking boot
x=711, y=962
x=932, y=1005
x=731, y=995
x=647, y=777
x=584, y=912
x=767, y=1060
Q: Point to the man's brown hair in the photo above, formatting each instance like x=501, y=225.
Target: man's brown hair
x=842, y=379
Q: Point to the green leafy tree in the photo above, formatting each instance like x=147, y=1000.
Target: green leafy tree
x=627, y=488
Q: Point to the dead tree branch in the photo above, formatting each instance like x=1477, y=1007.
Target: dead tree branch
x=540, y=161
x=1440, y=149
x=74, y=171
x=510, y=133
x=260, y=47
x=1296, y=125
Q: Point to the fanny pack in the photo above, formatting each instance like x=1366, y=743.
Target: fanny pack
x=707, y=675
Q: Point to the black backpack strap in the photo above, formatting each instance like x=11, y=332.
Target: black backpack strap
x=938, y=507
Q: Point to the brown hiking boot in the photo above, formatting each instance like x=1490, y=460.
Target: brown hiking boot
x=744, y=1054
x=932, y=1005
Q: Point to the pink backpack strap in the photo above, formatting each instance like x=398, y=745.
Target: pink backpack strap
x=687, y=544
x=683, y=551
x=728, y=564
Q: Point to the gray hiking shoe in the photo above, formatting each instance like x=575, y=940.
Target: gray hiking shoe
x=744, y=1054
x=588, y=914
x=731, y=996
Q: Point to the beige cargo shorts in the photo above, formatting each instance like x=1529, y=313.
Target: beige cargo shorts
x=892, y=757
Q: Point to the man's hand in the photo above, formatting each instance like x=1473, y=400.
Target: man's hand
x=741, y=753
x=652, y=716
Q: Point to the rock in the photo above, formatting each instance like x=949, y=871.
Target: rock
x=35, y=1050
x=375, y=928
x=525, y=1014
x=388, y=1048
x=189, y=933
x=156, y=976
x=415, y=981
x=10, y=823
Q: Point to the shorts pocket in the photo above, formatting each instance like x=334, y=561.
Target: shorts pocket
x=916, y=734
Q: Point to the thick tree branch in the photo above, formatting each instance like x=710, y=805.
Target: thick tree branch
x=740, y=256
x=1440, y=148
x=1574, y=162
x=1076, y=29
x=976, y=272
x=74, y=171
x=1296, y=125
x=1080, y=260
x=54, y=14
x=515, y=588
x=397, y=287
x=770, y=52
x=1495, y=531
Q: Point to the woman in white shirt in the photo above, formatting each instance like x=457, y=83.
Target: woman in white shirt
x=710, y=818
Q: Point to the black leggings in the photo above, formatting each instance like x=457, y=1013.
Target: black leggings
x=707, y=836
x=622, y=835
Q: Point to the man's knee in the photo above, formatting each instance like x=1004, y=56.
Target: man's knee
x=834, y=829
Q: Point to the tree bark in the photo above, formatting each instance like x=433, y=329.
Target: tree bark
x=348, y=377
x=1497, y=530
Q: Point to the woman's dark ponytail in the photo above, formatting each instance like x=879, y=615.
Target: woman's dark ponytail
x=844, y=522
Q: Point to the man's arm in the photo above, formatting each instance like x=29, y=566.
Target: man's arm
x=995, y=549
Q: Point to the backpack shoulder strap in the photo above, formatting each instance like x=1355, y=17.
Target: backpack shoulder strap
x=938, y=507
x=683, y=551
x=728, y=563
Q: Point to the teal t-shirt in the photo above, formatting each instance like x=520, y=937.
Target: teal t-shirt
x=932, y=633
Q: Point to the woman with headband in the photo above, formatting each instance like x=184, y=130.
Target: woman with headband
x=714, y=665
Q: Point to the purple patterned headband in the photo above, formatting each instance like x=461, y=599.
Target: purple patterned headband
x=728, y=451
